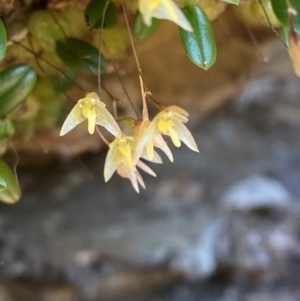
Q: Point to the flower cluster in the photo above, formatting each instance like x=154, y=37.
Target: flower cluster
x=126, y=151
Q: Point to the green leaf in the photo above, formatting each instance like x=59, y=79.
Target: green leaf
x=12, y=193
x=16, y=82
x=3, y=40
x=280, y=8
x=3, y=185
x=200, y=44
x=63, y=83
x=281, y=11
x=94, y=12
x=80, y=55
x=236, y=2
x=296, y=6
x=140, y=30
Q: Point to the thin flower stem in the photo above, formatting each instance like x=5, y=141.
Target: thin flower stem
x=256, y=45
x=58, y=23
x=145, y=108
x=131, y=40
x=122, y=83
x=159, y=106
x=99, y=58
x=48, y=63
x=60, y=71
x=113, y=98
x=101, y=135
x=100, y=46
x=42, y=68
x=270, y=24
x=45, y=151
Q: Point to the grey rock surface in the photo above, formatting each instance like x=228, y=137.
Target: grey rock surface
x=256, y=192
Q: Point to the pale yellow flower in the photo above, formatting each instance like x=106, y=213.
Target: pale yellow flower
x=145, y=147
x=94, y=110
x=170, y=121
x=120, y=158
x=120, y=151
x=163, y=9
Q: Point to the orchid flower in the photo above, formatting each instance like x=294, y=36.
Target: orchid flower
x=92, y=109
x=169, y=121
x=120, y=158
x=163, y=9
x=120, y=151
x=145, y=148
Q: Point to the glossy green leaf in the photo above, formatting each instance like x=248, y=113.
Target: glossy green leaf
x=3, y=40
x=296, y=21
x=236, y=2
x=140, y=30
x=80, y=55
x=12, y=193
x=16, y=82
x=3, y=185
x=94, y=12
x=200, y=44
x=281, y=11
x=280, y=8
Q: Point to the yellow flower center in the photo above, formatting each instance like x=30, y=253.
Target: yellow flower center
x=166, y=127
x=125, y=149
x=89, y=111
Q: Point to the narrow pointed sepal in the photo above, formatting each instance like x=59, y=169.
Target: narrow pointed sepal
x=74, y=118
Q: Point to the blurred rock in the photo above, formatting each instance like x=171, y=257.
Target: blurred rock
x=261, y=249
x=256, y=192
x=292, y=294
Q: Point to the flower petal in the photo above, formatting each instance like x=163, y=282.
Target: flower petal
x=155, y=159
x=145, y=168
x=73, y=119
x=140, y=179
x=174, y=136
x=111, y=162
x=159, y=142
x=179, y=113
x=168, y=10
x=147, y=134
x=105, y=119
x=185, y=136
x=129, y=173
